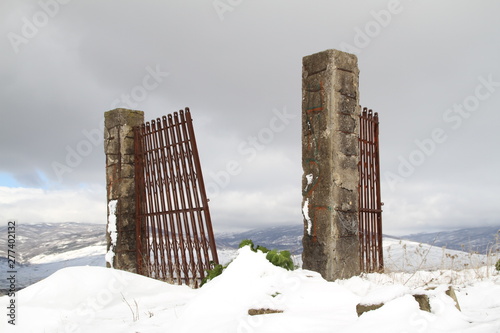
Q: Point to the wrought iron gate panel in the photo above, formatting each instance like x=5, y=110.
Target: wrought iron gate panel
x=370, y=204
x=174, y=233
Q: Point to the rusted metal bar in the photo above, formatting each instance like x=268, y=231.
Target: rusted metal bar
x=371, y=192
x=174, y=229
x=174, y=183
x=191, y=189
x=379, y=196
x=362, y=195
x=151, y=187
x=160, y=202
x=172, y=212
x=202, y=194
x=373, y=229
x=178, y=196
x=185, y=198
x=154, y=200
x=139, y=201
x=370, y=205
x=167, y=269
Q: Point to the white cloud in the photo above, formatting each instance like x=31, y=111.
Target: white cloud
x=37, y=205
x=430, y=207
x=233, y=210
x=232, y=74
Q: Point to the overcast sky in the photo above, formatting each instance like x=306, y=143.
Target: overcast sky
x=430, y=68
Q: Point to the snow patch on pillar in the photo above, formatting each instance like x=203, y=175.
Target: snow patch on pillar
x=112, y=231
x=305, y=212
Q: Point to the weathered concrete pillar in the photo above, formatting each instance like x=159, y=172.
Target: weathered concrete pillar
x=120, y=182
x=330, y=127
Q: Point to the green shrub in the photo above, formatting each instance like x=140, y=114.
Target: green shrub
x=213, y=273
x=497, y=265
x=250, y=243
x=281, y=259
x=246, y=242
x=278, y=258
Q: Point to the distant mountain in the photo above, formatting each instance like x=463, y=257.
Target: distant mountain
x=279, y=237
x=46, y=242
x=42, y=249
x=33, y=240
x=479, y=239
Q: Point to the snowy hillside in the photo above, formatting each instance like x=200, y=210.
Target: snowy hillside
x=408, y=256
x=44, y=242
x=97, y=299
x=42, y=249
x=45, y=248
x=279, y=237
x=479, y=239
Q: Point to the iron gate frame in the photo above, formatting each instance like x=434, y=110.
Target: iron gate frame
x=370, y=203
x=174, y=236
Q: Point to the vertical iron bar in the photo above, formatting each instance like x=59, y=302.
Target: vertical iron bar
x=362, y=227
x=369, y=192
x=372, y=196
x=171, y=202
x=193, y=159
x=379, y=197
x=366, y=184
x=159, y=199
x=204, y=199
x=189, y=182
x=147, y=225
x=148, y=204
x=370, y=205
x=139, y=197
x=183, y=186
x=164, y=197
x=171, y=193
x=153, y=198
x=176, y=196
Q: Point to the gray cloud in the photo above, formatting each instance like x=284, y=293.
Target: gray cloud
x=421, y=61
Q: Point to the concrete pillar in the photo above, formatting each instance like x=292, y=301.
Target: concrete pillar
x=330, y=127
x=120, y=182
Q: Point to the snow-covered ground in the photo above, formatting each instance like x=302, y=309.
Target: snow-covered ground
x=97, y=299
x=408, y=256
x=88, y=251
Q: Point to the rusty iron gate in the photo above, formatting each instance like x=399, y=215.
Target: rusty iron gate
x=175, y=241
x=370, y=204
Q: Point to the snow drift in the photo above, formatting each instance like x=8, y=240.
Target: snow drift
x=97, y=299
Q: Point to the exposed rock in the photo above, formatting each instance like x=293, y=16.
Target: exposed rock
x=362, y=308
x=423, y=302
x=254, y=312
x=451, y=292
